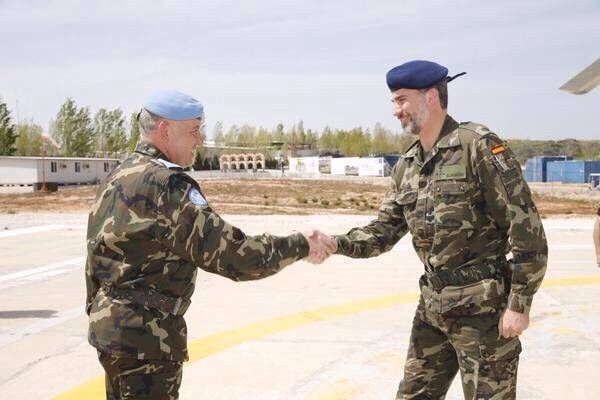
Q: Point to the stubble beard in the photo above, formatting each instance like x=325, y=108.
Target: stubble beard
x=414, y=122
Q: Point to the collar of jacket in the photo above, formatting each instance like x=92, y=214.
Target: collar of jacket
x=148, y=150
x=444, y=140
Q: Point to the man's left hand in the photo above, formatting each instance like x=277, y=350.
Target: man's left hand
x=512, y=323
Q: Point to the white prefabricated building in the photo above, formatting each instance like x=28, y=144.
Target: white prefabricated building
x=357, y=166
x=60, y=170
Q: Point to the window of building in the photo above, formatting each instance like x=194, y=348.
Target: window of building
x=53, y=166
x=77, y=167
x=105, y=167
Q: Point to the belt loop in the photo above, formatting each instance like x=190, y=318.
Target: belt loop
x=436, y=282
x=176, y=306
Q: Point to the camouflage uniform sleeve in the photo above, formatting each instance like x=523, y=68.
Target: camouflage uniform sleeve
x=201, y=236
x=381, y=234
x=508, y=201
x=91, y=286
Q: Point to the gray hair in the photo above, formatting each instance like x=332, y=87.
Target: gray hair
x=147, y=122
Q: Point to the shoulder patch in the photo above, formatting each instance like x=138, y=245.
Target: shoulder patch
x=497, y=149
x=197, y=198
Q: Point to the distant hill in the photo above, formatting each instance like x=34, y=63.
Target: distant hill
x=578, y=149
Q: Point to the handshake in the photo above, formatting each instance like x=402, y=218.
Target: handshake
x=321, y=246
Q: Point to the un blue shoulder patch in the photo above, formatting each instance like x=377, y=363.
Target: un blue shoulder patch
x=197, y=198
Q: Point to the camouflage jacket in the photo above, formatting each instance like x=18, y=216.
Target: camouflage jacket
x=466, y=205
x=150, y=228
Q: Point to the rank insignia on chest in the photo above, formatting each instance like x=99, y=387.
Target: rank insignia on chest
x=456, y=171
x=197, y=198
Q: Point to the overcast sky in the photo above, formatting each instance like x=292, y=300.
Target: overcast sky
x=262, y=62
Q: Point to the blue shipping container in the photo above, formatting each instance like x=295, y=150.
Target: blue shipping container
x=536, y=167
x=576, y=171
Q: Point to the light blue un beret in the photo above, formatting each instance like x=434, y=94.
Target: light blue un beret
x=174, y=105
x=417, y=74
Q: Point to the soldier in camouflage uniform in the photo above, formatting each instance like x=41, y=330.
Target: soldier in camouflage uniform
x=460, y=192
x=596, y=234
x=149, y=230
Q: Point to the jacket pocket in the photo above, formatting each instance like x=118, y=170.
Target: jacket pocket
x=452, y=205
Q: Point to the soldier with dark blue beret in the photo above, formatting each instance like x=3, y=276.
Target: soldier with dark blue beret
x=149, y=231
x=460, y=192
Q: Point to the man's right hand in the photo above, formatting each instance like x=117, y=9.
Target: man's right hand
x=321, y=246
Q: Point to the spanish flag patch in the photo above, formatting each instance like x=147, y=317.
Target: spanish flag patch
x=498, y=149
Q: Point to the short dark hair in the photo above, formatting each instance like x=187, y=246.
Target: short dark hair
x=442, y=89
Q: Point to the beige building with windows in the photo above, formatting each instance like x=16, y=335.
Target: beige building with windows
x=59, y=170
x=240, y=162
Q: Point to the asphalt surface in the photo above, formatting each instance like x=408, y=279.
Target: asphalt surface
x=334, y=331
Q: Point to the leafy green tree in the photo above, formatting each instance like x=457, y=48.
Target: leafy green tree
x=327, y=140
x=231, y=137
x=311, y=139
x=73, y=131
x=262, y=138
x=134, y=132
x=29, y=139
x=109, y=132
x=246, y=135
x=301, y=133
x=8, y=134
x=353, y=143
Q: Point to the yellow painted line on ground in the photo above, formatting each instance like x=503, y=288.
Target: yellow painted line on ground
x=203, y=347
x=572, y=281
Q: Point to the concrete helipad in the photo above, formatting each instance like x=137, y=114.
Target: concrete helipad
x=334, y=331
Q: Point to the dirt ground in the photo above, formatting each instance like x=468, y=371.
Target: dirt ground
x=283, y=196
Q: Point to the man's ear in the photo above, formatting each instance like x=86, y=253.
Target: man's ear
x=432, y=97
x=163, y=130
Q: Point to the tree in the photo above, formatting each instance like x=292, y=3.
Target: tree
x=278, y=134
x=231, y=137
x=134, y=132
x=327, y=140
x=311, y=139
x=262, y=138
x=300, y=133
x=245, y=135
x=29, y=139
x=218, y=135
x=383, y=140
x=72, y=130
x=8, y=135
x=109, y=132
x=198, y=162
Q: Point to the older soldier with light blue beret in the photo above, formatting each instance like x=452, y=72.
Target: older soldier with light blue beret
x=149, y=231
x=459, y=190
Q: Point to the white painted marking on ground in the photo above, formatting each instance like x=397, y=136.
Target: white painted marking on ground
x=37, y=229
x=41, y=272
x=38, y=327
x=572, y=247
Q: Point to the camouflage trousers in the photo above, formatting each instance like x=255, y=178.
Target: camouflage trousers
x=465, y=338
x=130, y=378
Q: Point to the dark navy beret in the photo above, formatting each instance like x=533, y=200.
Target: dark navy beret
x=417, y=74
x=174, y=105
